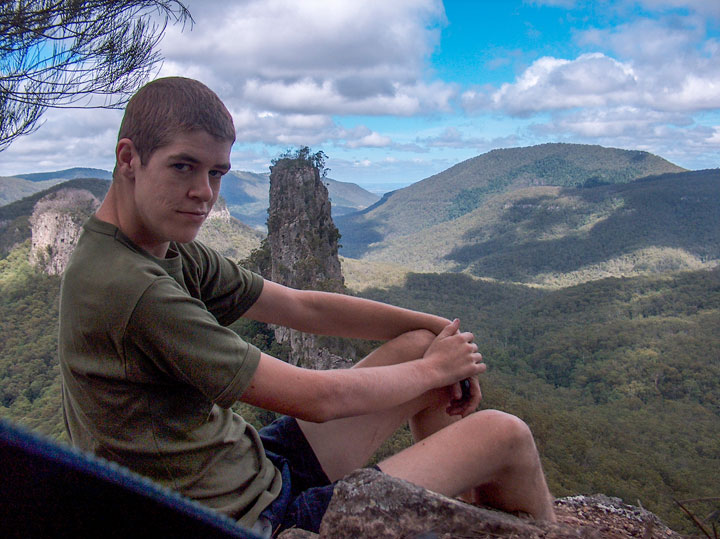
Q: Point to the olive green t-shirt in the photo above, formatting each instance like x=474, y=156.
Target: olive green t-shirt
x=149, y=369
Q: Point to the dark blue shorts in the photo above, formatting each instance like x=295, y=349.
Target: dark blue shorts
x=306, y=489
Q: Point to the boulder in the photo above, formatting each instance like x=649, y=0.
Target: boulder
x=368, y=503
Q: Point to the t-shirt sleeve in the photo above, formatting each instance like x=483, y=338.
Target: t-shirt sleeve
x=172, y=334
x=226, y=289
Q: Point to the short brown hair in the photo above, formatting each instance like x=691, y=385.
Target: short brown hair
x=164, y=107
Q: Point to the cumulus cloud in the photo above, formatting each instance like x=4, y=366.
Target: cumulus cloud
x=666, y=63
x=640, y=84
x=286, y=69
x=371, y=140
x=551, y=83
x=67, y=138
x=340, y=57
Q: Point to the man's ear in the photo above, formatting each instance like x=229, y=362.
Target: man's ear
x=127, y=158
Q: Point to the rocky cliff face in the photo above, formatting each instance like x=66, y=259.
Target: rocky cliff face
x=303, y=244
x=56, y=223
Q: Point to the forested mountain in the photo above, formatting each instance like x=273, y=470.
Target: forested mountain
x=560, y=236
x=553, y=192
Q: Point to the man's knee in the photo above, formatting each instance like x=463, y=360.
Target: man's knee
x=417, y=340
x=410, y=345
x=509, y=431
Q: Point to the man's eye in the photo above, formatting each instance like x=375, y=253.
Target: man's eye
x=216, y=173
x=181, y=166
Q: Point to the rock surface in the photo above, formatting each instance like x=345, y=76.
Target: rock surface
x=303, y=244
x=368, y=503
x=56, y=223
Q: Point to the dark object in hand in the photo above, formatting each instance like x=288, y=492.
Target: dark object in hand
x=465, y=387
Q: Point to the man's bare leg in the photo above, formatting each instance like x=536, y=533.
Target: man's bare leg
x=344, y=445
x=489, y=452
x=489, y=456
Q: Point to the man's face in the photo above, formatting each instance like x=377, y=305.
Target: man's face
x=175, y=191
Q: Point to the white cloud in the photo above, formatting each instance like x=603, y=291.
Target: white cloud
x=312, y=96
x=286, y=68
x=592, y=80
x=340, y=57
x=687, y=80
x=67, y=138
x=371, y=140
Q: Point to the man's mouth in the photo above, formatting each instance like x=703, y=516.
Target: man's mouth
x=196, y=215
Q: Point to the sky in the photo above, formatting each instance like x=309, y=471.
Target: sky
x=396, y=91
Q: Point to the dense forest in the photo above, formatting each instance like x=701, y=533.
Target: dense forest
x=619, y=379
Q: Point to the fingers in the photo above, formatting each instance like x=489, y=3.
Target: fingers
x=468, y=405
x=451, y=329
x=456, y=391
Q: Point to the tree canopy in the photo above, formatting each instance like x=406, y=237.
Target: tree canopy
x=64, y=53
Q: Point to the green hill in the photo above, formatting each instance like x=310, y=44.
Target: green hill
x=470, y=185
x=666, y=223
x=559, y=236
x=12, y=189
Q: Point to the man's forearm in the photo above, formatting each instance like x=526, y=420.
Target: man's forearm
x=325, y=313
x=348, y=316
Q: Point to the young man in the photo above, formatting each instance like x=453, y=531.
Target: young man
x=150, y=370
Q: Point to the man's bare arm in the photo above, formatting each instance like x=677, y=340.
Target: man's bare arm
x=320, y=396
x=324, y=313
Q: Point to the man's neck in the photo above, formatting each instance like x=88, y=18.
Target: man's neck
x=110, y=212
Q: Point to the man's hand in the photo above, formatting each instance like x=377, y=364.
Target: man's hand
x=463, y=403
x=454, y=356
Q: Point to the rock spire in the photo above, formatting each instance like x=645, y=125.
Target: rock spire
x=303, y=244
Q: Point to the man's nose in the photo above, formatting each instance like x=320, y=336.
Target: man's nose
x=202, y=188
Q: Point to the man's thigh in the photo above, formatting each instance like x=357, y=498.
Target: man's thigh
x=284, y=442
x=344, y=445
x=306, y=490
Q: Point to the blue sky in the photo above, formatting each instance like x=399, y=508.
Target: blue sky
x=394, y=92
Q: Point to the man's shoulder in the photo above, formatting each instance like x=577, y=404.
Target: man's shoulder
x=102, y=260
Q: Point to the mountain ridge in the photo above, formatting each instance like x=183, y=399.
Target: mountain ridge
x=465, y=186
x=246, y=193
x=544, y=230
